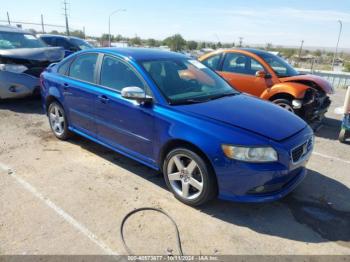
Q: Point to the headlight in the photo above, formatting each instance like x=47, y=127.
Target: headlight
x=250, y=154
x=13, y=68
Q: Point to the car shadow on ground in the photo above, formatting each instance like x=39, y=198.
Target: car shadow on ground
x=28, y=105
x=320, y=203
x=330, y=129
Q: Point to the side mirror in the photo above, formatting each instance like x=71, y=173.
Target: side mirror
x=262, y=74
x=136, y=93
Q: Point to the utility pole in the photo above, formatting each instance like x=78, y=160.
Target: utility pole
x=336, y=48
x=42, y=24
x=300, y=50
x=66, y=16
x=240, y=41
x=8, y=18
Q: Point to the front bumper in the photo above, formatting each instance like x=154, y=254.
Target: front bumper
x=14, y=85
x=316, y=108
x=276, y=184
x=264, y=182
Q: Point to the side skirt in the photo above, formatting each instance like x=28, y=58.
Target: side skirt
x=153, y=166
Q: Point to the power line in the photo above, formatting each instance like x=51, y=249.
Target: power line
x=31, y=23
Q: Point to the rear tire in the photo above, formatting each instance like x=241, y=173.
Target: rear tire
x=58, y=121
x=285, y=104
x=188, y=177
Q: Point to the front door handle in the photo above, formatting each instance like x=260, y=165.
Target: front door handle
x=104, y=99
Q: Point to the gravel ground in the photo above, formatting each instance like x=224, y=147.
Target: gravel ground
x=70, y=197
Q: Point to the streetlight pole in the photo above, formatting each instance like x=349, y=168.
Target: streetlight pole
x=336, y=48
x=109, y=24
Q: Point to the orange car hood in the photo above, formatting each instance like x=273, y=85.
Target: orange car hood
x=321, y=82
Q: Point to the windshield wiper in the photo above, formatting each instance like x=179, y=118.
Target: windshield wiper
x=189, y=101
x=222, y=95
x=203, y=100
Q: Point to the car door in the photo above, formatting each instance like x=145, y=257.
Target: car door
x=79, y=93
x=122, y=123
x=240, y=71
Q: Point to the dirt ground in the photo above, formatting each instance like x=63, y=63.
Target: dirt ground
x=70, y=197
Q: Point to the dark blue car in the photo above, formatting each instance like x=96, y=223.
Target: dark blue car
x=174, y=114
x=70, y=44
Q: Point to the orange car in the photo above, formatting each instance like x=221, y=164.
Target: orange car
x=269, y=77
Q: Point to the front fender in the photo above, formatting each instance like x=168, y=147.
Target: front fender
x=294, y=89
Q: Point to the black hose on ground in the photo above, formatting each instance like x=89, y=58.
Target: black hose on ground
x=127, y=216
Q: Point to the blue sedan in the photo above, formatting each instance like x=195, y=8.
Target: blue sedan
x=174, y=114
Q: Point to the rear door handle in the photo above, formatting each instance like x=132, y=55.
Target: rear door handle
x=104, y=99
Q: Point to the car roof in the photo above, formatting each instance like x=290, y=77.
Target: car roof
x=257, y=52
x=141, y=54
x=13, y=29
x=58, y=36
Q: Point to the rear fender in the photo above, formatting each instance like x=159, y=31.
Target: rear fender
x=294, y=89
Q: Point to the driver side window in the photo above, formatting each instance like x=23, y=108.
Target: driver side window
x=117, y=75
x=241, y=64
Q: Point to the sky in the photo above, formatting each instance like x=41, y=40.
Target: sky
x=279, y=22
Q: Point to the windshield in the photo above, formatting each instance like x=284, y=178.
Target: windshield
x=184, y=81
x=80, y=43
x=279, y=66
x=18, y=40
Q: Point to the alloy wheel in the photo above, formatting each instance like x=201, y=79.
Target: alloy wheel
x=57, y=120
x=286, y=107
x=185, y=176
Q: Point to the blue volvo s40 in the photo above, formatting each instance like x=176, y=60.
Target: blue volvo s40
x=174, y=114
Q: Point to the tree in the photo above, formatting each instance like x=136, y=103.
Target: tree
x=118, y=38
x=55, y=32
x=219, y=45
x=77, y=33
x=151, y=42
x=202, y=45
x=288, y=52
x=269, y=46
x=192, y=45
x=136, y=41
x=347, y=67
x=105, y=37
x=318, y=53
x=175, y=42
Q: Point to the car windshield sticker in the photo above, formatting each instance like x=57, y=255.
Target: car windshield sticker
x=197, y=64
x=30, y=37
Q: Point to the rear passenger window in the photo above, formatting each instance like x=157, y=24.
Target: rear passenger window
x=83, y=67
x=117, y=75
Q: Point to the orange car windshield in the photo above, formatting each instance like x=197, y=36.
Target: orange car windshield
x=279, y=66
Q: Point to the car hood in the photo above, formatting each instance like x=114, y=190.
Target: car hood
x=51, y=54
x=321, y=82
x=249, y=113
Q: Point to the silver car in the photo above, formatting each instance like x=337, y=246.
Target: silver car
x=22, y=59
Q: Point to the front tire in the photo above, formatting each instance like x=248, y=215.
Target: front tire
x=188, y=177
x=343, y=135
x=285, y=104
x=58, y=121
